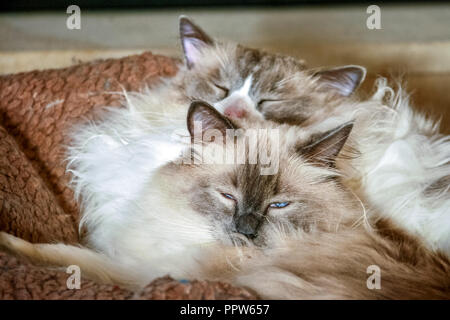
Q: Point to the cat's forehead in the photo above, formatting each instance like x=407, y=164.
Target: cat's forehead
x=259, y=63
x=273, y=146
x=293, y=176
x=236, y=63
x=255, y=186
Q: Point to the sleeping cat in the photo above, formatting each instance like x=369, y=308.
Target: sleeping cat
x=300, y=230
x=237, y=80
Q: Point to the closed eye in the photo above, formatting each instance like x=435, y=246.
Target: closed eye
x=226, y=91
x=279, y=205
x=261, y=102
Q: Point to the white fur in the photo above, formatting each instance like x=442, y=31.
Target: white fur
x=112, y=163
x=238, y=97
x=401, y=154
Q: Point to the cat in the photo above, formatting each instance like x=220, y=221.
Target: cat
x=299, y=230
x=237, y=80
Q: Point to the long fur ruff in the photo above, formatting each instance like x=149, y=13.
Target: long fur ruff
x=403, y=167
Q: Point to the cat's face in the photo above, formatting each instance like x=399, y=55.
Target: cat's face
x=236, y=201
x=239, y=81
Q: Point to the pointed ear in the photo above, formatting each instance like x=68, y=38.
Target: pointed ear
x=192, y=40
x=343, y=80
x=201, y=113
x=325, y=147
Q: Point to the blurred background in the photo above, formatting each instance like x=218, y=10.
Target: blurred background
x=413, y=43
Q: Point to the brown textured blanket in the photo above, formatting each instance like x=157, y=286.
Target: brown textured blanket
x=36, y=110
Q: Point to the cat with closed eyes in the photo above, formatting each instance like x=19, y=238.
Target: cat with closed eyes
x=300, y=229
x=238, y=80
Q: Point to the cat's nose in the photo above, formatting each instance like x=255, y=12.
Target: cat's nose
x=235, y=111
x=247, y=225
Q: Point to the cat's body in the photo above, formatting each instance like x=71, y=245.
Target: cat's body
x=341, y=265
x=402, y=170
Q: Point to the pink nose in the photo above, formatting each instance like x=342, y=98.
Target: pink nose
x=234, y=111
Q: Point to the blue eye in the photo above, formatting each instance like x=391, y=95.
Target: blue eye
x=279, y=204
x=228, y=196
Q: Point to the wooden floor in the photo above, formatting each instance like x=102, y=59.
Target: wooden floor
x=414, y=41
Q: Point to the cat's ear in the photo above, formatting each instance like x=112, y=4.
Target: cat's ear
x=201, y=113
x=193, y=39
x=342, y=80
x=325, y=147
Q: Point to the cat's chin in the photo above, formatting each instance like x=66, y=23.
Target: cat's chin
x=237, y=239
x=240, y=240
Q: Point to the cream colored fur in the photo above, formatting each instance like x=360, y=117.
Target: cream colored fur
x=402, y=156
